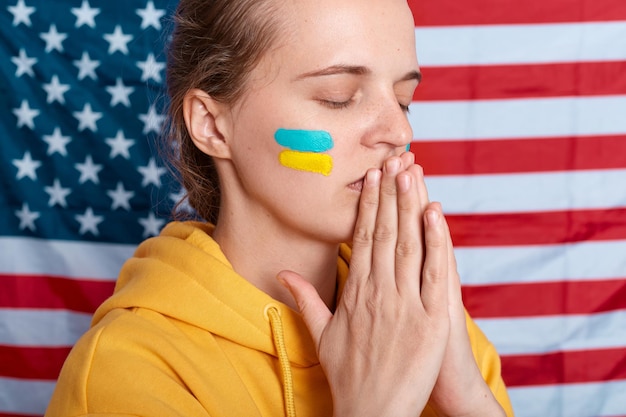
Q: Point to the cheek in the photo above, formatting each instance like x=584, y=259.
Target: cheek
x=304, y=150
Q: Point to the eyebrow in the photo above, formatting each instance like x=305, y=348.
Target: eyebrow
x=353, y=70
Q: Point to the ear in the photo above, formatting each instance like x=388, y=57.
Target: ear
x=208, y=123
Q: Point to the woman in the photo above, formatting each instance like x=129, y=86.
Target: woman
x=290, y=121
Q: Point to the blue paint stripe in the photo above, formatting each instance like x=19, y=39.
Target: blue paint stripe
x=304, y=140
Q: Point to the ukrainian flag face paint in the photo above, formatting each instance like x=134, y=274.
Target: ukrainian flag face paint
x=305, y=150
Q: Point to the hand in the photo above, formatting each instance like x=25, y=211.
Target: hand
x=460, y=389
x=382, y=350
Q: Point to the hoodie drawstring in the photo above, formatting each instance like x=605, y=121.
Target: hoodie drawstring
x=278, y=335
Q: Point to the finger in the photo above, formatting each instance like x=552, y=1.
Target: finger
x=422, y=191
x=362, y=239
x=435, y=271
x=409, y=247
x=314, y=311
x=455, y=298
x=408, y=159
x=386, y=229
x=455, y=282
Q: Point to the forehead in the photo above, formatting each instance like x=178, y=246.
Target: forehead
x=363, y=32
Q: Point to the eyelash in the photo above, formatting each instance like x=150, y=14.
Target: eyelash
x=345, y=104
x=336, y=104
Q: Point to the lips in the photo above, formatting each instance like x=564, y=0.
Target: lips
x=356, y=185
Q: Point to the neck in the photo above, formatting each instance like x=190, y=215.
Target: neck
x=258, y=251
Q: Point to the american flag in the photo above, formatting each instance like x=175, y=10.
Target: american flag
x=82, y=182
x=520, y=124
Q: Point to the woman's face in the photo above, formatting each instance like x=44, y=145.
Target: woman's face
x=323, y=106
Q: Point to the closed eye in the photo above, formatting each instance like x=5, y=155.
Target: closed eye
x=336, y=104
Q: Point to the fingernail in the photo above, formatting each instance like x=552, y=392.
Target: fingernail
x=404, y=183
x=432, y=217
x=392, y=166
x=372, y=177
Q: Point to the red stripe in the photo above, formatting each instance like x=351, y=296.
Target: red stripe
x=32, y=362
x=545, y=299
x=565, y=367
x=522, y=81
x=18, y=415
x=486, y=12
x=537, y=228
x=520, y=155
x=32, y=291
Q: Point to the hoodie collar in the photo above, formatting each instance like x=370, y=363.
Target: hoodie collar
x=183, y=274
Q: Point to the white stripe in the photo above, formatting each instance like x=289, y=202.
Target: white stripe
x=603, y=399
x=521, y=44
x=590, y=260
x=525, y=118
x=81, y=260
x=20, y=396
x=535, y=335
x=528, y=192
x=42, y=328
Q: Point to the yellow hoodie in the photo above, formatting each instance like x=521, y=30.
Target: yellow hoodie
x=184, y=335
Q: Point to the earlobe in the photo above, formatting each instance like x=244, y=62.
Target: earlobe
x=203, y=116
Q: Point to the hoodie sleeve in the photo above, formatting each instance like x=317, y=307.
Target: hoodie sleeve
x=488, y=362
x=118, y=369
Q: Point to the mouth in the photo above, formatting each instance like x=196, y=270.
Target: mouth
x=357, y=185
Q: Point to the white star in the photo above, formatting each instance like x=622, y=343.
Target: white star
x=87, y=118
x=89, y=222
x=21, y=13
x=25, y=115
x=88, y=171
x=57, y=142
x=181, y=201
x=24, y=64
x=118, y=41
x=151, y=68
x=152, y=121
x=119, y=93
x=87, y=67
x=85, y=15
x=120, y=197
x=151, y=16
x=57, y=194
x=151, y=173
x=27, y=217
x=151, y=225
x=56, y=90
x=26, y=167
x=53, y=39
x=119, y=145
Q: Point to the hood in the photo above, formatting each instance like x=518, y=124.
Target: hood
x=183, y=274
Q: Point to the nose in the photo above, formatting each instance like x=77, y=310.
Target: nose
x=389, y=125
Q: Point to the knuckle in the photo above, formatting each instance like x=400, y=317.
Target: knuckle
x=384, y=233
x=434, y=274
x=435, y=240
x=374, y=301
x=362, y=236
x=388, y=189
x=407, y=248
x=369, y=200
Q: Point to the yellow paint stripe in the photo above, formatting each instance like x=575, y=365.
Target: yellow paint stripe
x=307, y=161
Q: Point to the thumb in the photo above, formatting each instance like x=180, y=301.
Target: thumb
x=314, y=311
